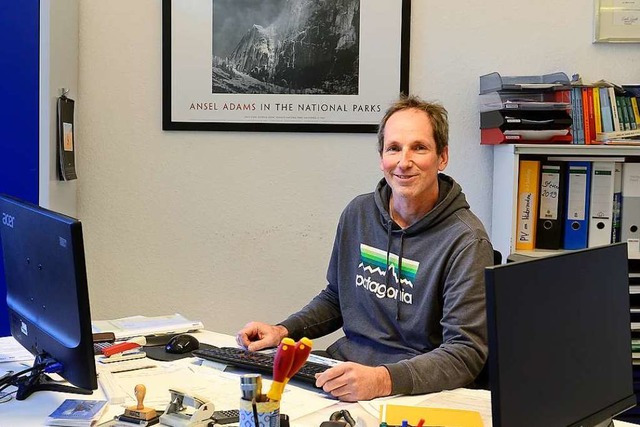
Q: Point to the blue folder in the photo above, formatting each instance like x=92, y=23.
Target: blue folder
x=576, y=222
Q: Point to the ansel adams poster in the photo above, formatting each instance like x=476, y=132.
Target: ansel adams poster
x=315, y=65
x=312, y=48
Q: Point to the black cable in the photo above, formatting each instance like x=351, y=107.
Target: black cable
x=4, y=396
x=344, y=414
x=10, y=379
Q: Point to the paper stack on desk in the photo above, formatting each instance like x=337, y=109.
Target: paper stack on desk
x=136, y=326
x=77, y=412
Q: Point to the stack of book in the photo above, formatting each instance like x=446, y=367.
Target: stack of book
x=604, y=112
x=525, y=109
x=77, y=412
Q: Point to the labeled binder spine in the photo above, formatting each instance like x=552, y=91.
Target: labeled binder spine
x=577, y=206
x=551, y=208
x=601, y=203
x=528, y=187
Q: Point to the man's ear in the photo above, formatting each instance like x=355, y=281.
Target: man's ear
x=444, y=159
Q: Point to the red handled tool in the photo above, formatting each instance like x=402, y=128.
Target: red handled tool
x=302, y=351
x=281, y=366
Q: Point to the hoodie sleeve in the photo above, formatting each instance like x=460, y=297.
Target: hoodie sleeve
x=318, y=318
x=463, y=352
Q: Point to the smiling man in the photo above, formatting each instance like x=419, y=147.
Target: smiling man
x=406, y=275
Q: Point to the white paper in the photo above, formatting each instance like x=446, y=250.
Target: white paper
x=12, y=351
x=626, y=12
x=134, y=326
x=211, y=384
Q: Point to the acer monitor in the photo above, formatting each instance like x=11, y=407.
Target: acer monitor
x=560, y=339
x=47, y=297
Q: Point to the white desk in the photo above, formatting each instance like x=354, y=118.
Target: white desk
x=34, y=410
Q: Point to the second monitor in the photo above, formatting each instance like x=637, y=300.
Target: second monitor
x=47, y=297
x=560, y=339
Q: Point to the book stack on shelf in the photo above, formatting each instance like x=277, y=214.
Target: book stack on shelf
x=525, y=109
x=605, y=113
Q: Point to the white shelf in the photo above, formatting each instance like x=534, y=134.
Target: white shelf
x=574, y=149
x=505, y=177
x=541, y=253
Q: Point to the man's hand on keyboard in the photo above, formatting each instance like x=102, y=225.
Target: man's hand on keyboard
x=351, y=382
x=257, y=335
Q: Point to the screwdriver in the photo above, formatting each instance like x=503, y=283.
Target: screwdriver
x=302, y=350
x=281, y=366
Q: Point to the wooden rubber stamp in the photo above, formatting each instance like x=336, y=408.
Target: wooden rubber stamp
x=140, y=411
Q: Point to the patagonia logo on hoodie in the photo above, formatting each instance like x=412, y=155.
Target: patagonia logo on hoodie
x=373, y=278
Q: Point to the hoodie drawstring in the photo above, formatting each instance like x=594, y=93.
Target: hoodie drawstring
x=386, y=274
x=400, y=287
x=399, y=270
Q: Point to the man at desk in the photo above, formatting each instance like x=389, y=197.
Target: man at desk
x=406, y=276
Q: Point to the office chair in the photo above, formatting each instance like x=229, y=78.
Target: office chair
x=482, y=380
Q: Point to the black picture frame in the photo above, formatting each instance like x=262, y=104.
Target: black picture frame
x=195, y=34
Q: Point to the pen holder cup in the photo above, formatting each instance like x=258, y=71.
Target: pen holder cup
x=268, y=414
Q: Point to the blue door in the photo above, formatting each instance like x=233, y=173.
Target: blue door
x=19, y=63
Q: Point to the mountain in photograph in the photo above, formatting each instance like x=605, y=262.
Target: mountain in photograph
x=311, y=48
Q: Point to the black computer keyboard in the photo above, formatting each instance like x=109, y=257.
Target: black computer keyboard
x=257, y=362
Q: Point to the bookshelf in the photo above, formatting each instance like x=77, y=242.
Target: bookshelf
x=506, y=161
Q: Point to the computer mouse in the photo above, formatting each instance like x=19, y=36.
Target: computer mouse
x=183, y=343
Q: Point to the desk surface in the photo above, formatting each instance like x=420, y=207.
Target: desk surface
x=34, y=410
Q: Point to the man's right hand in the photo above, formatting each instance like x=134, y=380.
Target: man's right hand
x=257, y=335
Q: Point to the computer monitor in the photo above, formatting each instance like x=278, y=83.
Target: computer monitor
x=560, y=339
x=47, y=296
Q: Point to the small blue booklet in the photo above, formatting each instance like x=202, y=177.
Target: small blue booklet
x=77, y=412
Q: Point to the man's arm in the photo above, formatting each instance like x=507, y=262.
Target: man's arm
x=320, y=317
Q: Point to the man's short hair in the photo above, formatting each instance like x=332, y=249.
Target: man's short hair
x=437, y=115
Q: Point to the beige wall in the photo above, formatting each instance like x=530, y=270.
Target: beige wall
x=58, y=69
x=228, y=227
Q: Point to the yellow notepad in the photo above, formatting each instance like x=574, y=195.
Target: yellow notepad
x=393, y=415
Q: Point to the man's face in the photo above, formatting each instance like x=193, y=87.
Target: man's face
x=409, y=158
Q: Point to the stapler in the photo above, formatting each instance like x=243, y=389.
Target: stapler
x=186, y=410
x=122, y=351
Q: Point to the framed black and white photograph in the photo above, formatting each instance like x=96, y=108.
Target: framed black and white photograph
x=282, y=65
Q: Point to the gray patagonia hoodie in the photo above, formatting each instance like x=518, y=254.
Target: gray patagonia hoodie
x=423, y=317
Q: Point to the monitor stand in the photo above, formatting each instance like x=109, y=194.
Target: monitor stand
x=38, y=380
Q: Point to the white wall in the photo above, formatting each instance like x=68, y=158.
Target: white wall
x=58, y=69
x=229, y=227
